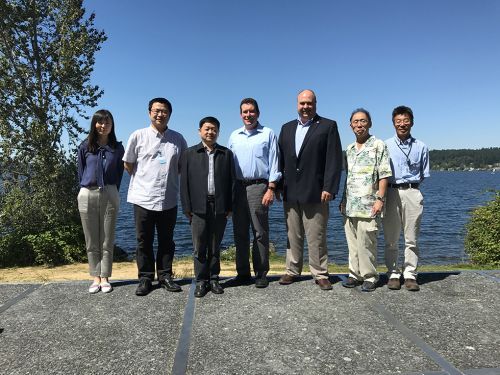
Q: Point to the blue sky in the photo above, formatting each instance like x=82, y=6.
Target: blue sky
x=442, y=58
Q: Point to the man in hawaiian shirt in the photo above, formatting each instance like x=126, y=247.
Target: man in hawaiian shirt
x=368, y=169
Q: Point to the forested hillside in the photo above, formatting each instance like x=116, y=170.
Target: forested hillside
x=465, y=159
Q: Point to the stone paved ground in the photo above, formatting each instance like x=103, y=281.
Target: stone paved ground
x=452, y=326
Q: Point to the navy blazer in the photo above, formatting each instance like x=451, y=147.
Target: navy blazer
x=318, y=166
x=194, y=179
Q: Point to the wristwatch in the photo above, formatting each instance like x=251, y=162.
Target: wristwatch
x=382, y=199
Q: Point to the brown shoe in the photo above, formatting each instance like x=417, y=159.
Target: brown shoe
x=394, y=284
x=324, y=284
x=411, y=285
x=286, y=279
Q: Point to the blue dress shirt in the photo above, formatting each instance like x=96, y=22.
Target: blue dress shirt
x=409, y=160
x=300, y=134
x=255, y=153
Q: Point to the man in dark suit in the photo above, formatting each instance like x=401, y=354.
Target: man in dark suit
x=311, y=164
x=207, y=190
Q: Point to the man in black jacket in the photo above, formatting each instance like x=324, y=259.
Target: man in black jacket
x=311, y=163
x=207, y=185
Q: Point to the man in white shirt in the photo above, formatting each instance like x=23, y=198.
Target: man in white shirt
x=153, y=160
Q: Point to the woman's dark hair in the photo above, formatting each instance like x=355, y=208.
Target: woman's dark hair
x=101, y=116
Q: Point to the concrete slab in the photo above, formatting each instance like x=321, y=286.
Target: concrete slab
x=9, y=291
x=457, y=315
x=61, y=329
x=449, y=327
x=296, y=329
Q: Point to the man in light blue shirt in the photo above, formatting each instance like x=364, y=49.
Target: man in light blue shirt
x=405, y=203
x=255, y=150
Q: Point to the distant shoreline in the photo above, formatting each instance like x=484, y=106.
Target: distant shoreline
x=466, y=170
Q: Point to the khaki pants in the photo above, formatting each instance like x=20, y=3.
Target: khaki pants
x=98, y=212
x=309, y=220
x=361, y=235
x=404, y=208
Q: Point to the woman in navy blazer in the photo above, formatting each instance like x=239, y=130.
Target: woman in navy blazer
x=100, y=171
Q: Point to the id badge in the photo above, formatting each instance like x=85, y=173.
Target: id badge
x=161, y=157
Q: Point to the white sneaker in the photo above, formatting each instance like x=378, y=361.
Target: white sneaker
x=94, y=288
x=106, y=287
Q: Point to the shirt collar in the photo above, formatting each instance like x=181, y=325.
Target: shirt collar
x=308, y=122
x=157, y=133
x=409, y=140
x=106, y=148
x=257, y=129
x=201, y=147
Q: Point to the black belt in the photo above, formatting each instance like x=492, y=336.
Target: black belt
x=253, y=182
x=406, y=185
x=210, y=198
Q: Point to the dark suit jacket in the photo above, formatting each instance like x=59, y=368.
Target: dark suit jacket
x=318, y=166
x=194, y=179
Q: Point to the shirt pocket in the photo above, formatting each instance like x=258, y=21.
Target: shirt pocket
x=260, y=151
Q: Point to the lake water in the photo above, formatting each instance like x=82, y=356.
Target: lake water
x=448, y=200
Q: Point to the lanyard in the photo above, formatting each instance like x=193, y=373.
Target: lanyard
x=407, y=155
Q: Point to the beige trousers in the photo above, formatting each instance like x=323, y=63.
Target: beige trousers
x=361, y=235
x=98, y=212
x=309, y=220
x=404, y=208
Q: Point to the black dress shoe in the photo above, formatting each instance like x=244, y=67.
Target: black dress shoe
x=239, y=281
x=201, y=290
x=170, y=285
x=261, y=282
x=216, y=287
x=368, y=286
x=144, y=287
x=351, y=282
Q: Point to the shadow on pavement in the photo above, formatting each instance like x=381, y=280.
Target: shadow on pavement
x=423, y=277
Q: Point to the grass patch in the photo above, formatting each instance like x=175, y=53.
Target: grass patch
x=183, y=268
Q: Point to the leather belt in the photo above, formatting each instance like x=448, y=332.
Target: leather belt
x=253, y=182
x=406, y=185
x=210, y=198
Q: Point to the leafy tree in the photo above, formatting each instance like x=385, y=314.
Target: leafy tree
x=482, y=240
x=47, y=50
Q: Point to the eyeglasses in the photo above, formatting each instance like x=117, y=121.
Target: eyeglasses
x=362, y=122
x=159, y=111
x=405, y=121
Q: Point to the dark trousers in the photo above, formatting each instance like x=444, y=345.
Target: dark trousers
x=250, y=212
x=207, y=231
x=145, y=223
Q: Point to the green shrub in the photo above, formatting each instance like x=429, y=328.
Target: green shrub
x=229, y=254
x=39, y=219
x=15, y=251
x=63, y=245
x=482, y=240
